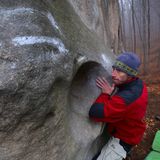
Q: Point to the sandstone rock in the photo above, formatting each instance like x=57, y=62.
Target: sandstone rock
x=48, y=64
x=103, y=18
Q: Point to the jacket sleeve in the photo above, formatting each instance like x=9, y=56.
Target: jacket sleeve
x=108, y=109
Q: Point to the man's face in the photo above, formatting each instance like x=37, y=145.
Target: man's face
x=119, y=77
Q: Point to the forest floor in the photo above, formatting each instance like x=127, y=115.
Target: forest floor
x=153, y=84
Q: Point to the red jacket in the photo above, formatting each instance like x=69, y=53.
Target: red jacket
x=124, y=112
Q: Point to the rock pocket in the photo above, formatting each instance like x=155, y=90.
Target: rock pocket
x=85, y=139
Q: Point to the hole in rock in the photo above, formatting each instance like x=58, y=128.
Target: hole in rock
x=83, y=92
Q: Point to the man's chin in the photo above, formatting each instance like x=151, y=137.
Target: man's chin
x=116, y=82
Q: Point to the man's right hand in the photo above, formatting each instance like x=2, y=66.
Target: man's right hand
x=103, y=84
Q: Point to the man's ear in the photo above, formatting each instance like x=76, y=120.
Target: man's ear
x=129, y=77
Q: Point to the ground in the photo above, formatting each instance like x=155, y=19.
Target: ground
x=153, y=84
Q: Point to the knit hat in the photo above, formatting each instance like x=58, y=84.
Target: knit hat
x=128, y=62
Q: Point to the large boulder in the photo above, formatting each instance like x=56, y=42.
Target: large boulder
x=49, y=61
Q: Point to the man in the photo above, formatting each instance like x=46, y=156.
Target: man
x=123, y=110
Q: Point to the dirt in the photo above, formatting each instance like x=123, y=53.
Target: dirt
x=140, y=151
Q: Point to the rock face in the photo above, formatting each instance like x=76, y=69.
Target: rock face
x=103, y=18
x=48, y=64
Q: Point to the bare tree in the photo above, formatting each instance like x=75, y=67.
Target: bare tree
x=134, y=29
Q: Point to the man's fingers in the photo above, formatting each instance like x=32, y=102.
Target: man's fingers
x=101, y=80
x=104, y=85
x=105, y=80
x=100, y=86
x=99, y=83
x=113, y=85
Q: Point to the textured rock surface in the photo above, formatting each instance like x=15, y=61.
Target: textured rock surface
x=48, y=64
x=102, y=17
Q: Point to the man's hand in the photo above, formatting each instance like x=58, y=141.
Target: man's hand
x=104, y=85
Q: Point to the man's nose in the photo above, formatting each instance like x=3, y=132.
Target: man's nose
x=114, y=72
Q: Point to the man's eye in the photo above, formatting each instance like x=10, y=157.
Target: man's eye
x=116, y=69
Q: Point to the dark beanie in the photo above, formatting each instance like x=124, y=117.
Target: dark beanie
x=128, y=62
